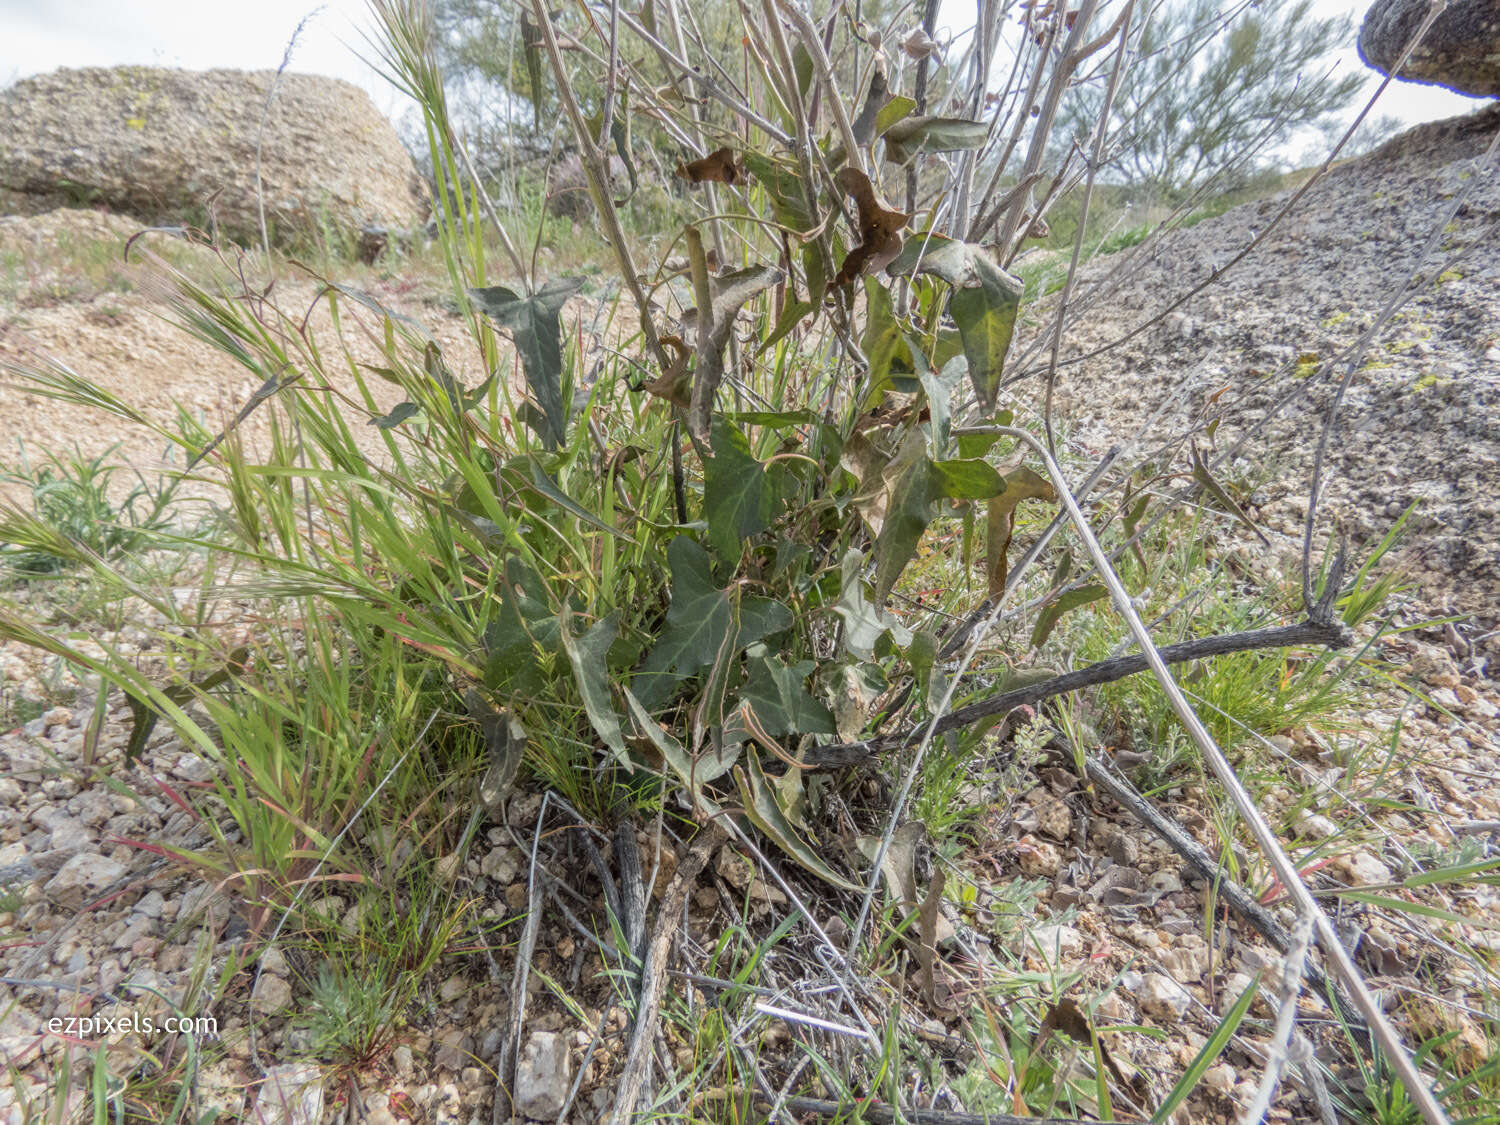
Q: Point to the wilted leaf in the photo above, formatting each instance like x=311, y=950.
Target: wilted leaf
x=879, y=228
x=967, y=479
x=791, y=314
x=538, y=480
x=986, y=318
x=875, y=99
x=702, y=621
x=914, y=482
x=765, y=812
x=897, y=109
x=371, y=302
x=268, y=388
x=720, y=166
x=919, y=45
x=911, y=487
x=673, y=754
x=143, y=716
x=883, y=343
x=619, y=132
x=898, y=870
x=778, y=694
x=1067, y=1017
x=928, y=915
x=524, y=623
x=1021, y=483
x=504, y=743
x=531, y=47
x=941, y=256
x=906, y=139
x=1052, y=613
x=738, y=498
x=730, y=292
x=783, y=183
x=674, y=384
x=587, y=656
x=537, y=332
x=864, y=623
x=399, y=413
x=1203, y=476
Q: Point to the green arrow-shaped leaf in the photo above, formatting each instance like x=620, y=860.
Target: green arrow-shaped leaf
x=399, y=413
x=766, y=813
x=525, y=624
x=537, y=332
x=967, y=479
x=864, y=623
x=777, y=693
x=1049, y=617
x=738, y=498
x=587, y=655
x=897, y=109
x=912, y=486
x=913, y=135
x=986, y=319
x=943, y=257
x=702, y=621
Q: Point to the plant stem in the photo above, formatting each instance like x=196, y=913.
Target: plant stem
x=598, y=177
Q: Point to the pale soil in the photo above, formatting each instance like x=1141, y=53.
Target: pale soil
x=125, y=342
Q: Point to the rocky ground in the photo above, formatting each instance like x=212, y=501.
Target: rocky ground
x=1421, y=420
x=91, y=912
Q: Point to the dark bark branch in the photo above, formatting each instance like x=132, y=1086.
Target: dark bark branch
x=1236, y=897
x=1332, y=635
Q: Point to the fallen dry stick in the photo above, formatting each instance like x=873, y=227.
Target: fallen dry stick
x=1332, y=635
x=648, y=1006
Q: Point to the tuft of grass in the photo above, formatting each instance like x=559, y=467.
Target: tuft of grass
x=76, y=498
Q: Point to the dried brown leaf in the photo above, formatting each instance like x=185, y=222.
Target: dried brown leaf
x=721, y=166
x=673, y=384
x=880, y=239
x=1021, y=483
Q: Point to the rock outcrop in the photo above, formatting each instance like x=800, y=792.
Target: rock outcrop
x=175, y=146
x=1460, y=51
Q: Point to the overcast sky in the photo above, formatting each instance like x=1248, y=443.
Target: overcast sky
x=42, y=35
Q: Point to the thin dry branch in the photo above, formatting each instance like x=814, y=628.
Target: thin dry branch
x=648, y=1009
x=1278, y=1054
x=1104, y=672
x=1198, y=858
x=598, y=177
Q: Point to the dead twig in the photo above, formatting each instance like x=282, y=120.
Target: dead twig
x=648, y=1005
x=1330, y=634
x=510, y=1044
x=1176, y=837
x=1278, y=1053
x=1382, y=1033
